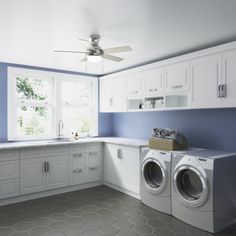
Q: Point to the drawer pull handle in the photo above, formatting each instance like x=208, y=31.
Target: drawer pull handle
x=93, y=168
x=77, y=155
x=177, y=86
x=77, y=171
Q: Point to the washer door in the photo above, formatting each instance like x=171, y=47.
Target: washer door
x=190, y=185
x=154, y=175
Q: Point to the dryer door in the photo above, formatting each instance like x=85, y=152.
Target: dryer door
x=190, y=185
x=154, y=175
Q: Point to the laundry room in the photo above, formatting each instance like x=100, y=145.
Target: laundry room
x=117, y=118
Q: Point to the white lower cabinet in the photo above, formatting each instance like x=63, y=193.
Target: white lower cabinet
x=93, y=174
x=85, y=163
x=9, y=173
x=32, y=175
x=9, y=188
x=121, y=166
x=46, y=169
x=57, y=172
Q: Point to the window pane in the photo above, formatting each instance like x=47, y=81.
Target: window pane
x=76, y=120
x=76, y=92
x=33, y=89
x=36, y=121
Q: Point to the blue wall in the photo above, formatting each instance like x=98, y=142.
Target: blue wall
x=104, y=124
x=211, y=128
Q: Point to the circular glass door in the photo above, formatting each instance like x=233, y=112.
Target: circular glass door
x=154, y=175
x=190, y=185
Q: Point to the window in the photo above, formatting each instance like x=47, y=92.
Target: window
x=38, y=100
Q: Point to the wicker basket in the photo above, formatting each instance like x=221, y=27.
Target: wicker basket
x=166, y=144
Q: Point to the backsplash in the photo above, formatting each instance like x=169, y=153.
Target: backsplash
x=211, y=128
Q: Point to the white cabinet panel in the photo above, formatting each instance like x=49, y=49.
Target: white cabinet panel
x=205, y=77
x=121, y=166
x=229, y=78
x=32, y=175
x=113, y=95
x=9, y=188
x=93, y=158
x=154, y=81
x=9, y=169
x=93, y=174
x=9, y=155
x=57, y=173
x=134, y=83
x=177, y=77
x=77, y=160
x=77, y=176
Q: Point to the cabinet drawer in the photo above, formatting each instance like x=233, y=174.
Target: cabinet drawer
x=9, y=169
x=93, y=174
x=75, y=148
x=9, y=155
x=9, y=188
x=43, y=151
x=77, y=160
x=93, y=158
x=90, y=147
x=77, y=176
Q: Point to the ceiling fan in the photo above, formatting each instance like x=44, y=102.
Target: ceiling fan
x=94, y=53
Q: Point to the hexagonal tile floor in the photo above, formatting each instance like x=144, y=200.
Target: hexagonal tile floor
x=95, y=211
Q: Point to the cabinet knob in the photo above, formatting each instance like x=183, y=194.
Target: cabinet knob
x=78, y=155
x=119, y=153
x=93, y=153
x=177, y=86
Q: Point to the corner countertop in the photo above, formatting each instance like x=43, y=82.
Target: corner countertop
x=114, y=140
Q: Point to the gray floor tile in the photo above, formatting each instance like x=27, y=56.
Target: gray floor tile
x=92, y=212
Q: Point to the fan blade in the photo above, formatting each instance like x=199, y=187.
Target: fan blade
x=84, y=40
x=83, y=59
x=68, y=51
x=118, y=49
x=112, y=58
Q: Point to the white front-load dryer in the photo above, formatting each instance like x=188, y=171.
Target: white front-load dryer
x=203, y=189
x=155, y=179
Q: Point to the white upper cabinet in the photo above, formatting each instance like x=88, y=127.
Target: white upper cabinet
x=113, y=95
x=177, y=77
x=154, y=82
x=134, y=84
x=205, y=78
x=228, y=85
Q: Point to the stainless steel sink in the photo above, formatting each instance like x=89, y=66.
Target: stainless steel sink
x=60, y=140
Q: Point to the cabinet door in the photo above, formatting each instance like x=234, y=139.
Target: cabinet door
x=77, y=176
x=229, y=78
x=110, y=167
x=112, y=95
x=58, y=172
x=93, y=174
x=32, y=175
x=154, y=82
x=93, y=158
x=134, y=85
x=177, y=77
x=205, y=78
x=9, y=169
x=121, y=166
x=105, y=95
x=9, y=188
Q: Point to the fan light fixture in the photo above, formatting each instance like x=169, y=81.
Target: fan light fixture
x=94, y=58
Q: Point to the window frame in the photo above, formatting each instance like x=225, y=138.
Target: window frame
x=57, y=78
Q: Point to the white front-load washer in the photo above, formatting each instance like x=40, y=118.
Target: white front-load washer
x=155, y=181
x=203, y=189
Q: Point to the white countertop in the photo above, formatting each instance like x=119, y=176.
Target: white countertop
x=114, y=140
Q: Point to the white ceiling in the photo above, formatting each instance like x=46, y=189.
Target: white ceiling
x=155, y=29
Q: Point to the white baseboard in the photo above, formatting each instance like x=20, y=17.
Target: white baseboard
x=132, y=194
x=27, y=197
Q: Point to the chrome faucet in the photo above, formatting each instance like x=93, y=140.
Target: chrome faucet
x=60, y=129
